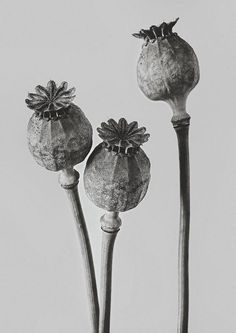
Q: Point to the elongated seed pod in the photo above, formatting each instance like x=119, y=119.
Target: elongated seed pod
x=168, y=69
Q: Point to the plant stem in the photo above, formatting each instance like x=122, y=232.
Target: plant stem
x=69, y=179
x=181, y=127
x=110, y=226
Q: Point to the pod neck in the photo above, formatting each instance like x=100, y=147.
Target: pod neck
x=178, y=106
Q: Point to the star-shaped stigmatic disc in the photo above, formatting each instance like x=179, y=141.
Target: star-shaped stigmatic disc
x=51, y=102
x=122, y=135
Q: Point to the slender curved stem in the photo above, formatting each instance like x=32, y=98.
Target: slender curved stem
x=110, y=227
x=69, y=181
x=182, y=128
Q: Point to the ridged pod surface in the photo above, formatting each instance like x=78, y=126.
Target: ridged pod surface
x=61, y=139
x=62, y=143
x=114, y=179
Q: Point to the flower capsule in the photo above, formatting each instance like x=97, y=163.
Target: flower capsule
x=59, y=134
x=117, y=173
x=167, y=68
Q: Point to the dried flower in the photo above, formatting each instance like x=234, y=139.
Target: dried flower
x=59, y=134
x=117, y=173
x=167, y=67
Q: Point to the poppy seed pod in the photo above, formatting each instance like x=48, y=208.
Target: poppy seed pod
x=117, y=173
x=167, y=68
x=59, y=134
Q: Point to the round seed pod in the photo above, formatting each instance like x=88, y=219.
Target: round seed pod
x=59, y=134
x=117, y=172
x=167, y=68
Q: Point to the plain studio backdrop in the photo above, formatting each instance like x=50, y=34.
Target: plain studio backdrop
x=89, y=44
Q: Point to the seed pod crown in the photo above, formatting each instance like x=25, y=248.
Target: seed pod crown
x=154, y=32
x=122, y=137
x=51, y=102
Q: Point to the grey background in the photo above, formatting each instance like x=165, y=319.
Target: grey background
x=89, y=44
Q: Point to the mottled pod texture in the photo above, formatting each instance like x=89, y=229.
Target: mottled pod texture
x=167, y=68
x=116, y=182
x=61, y=143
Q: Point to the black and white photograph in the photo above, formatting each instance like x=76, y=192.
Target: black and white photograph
x=118, y=187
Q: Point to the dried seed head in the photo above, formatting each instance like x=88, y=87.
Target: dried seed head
x=168, y=68
x=59, y=134
x=117, y=172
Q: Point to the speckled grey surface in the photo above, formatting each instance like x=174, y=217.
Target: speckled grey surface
x=166, y=68
x=61, y=143
x=116, y=182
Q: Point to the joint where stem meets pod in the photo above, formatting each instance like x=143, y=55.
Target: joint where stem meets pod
x=110, y=222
